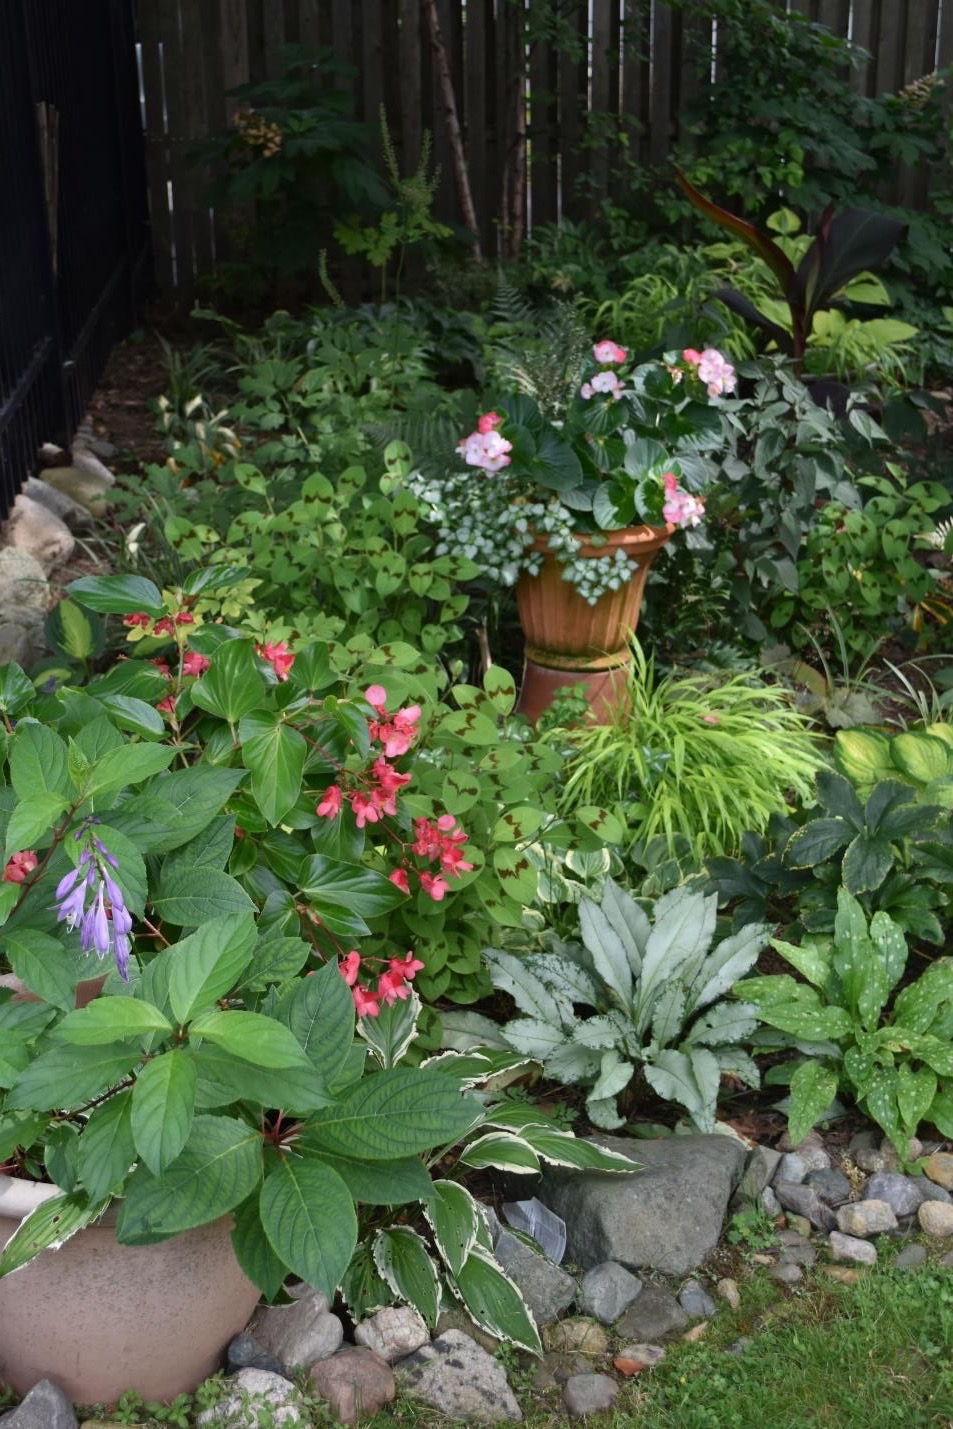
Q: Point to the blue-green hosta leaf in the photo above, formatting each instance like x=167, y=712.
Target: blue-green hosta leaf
x=308, y=1216
x=494, y=1302
x=511, y=975
x=725, y=1023
x=454, y=1217
x=48, y=1227
x=730, y=960
x=503, y=1150
x=219, y=1168
x=813, y=1088
x=396, y=1113
x=915, y=1093
x=402, y=1259
x=809, y=959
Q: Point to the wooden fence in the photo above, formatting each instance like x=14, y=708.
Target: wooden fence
x=616, y=60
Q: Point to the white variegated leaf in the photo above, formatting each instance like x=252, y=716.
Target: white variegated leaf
x=723, y=967
x=512, y=975
x=572, y=1063
x=463, y=1030
x=534, y=1038
x=600, y=1033
x=670, y=1074
x=604, y=1113
x=683, y=928
x=629, y=922
x=454, y=1217
x=707, y=1075
x=503, y=1150
x=725, y=1023
x=494, y=1302
x=607, y=951
x=614, y=1075
x=668, y=1014
x=736, y=1063
x=564, y=977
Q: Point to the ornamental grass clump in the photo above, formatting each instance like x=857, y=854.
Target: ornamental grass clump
x=692, y=759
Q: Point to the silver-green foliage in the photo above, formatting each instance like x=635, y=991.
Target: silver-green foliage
x=895, y=1057
x=653, y=994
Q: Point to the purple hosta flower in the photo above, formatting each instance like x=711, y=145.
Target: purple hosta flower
x=101, y=930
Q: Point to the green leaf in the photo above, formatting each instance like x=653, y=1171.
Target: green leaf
x=866, y=864
x=561, y=1148
x=922, y=757
x=134, y=715
x=130, y=764
x=42, y=964
x=67, y=1077
x=163, y=1108
x=252, y=1037
x=402, y=1259
x=308, y=1216
x=344, y=895
x=393, y=1114
x=809, y=961
x=471, y=726
x=31, y=822
x=319, y=1010
x=224, y=1079
x=382, y=1183
x=504, y=1151
x=454, y=1218
x=180, y=805
x=189, y=898
x=38, y=762
x=813, y=1088
x=517, y=874
x=517, y=824
x=233, y=685
x=808, y=1024
x=107, y=1019
x=207, y=964
x=816, y=842
x=49, y=1226
x=218, y=1168
x=275, y=755
x=501, y=689
x=837, y=796
x=494, y=1301
x=106, y=1148
x=117, y=595
x=916, y=1091
x=253, y=1252
x=17, y=690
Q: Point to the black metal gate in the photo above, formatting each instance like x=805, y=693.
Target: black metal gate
x=74, y=239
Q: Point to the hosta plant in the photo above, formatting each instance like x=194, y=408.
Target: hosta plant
x=637, y=998
x=892, y=1051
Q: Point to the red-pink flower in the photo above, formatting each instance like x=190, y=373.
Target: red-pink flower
x=692, y=356
x=435, y=886
x=607, y=351
x=167, y=706
x=366, y=1001
x=364, y=809
x=489, y=423
x=331, y=801
x=376, y=696
x=194, y=663
x=407, y=966
x=392, y=987
x=163, y=626
x=20, y=866
x=162, y=667
x=400, y=733
x=279, y=657
x=350, y=966
x=140, y=618
x=389, y=782
x=400, y=880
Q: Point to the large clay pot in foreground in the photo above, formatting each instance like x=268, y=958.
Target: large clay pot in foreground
x=99, y=1317
x=571, y=642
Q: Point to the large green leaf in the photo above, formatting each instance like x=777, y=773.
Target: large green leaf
x=106, y=1148
x=252, y=1037
x=207, y=964
x=401, y=1257
x=163, y=1107
x=494, y=1301
x=191, y=898
x=224, y=1080
x=813, y=1088
x=32, y=820
x=253, y=1251
x=345, y=894
x=808, y=1024
x=275, y=755
x=218, y=1168
x=393, y=1114
x=52, y=1223
x=759, y=242
x=382, y=1183
x=130, y=764
x=308, y=1216
x=454, y=1218
x=867, y=862
x=67, y=1077
x=233, y=685
x=177, y=806
x=319, y=1010
x=39, y=762
x=117, y=595
x=42, y=964
x=816, y=842
x=107, y=1019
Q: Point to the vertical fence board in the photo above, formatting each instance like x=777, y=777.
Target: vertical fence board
x=890, y=44
x=233, y=48
x=473, y=99
x=572, y=93
x=599, y=98
x=661, y=103
x=273, y=34
x=157, y=147
x=635, y=75
x=543, y=136
x=408, y=61
x=945, y=38
x=835, y=14
x=201, y=77
x=864, y=36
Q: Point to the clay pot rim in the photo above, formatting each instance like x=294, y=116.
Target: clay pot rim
x=19, y=1197
x=625, y=536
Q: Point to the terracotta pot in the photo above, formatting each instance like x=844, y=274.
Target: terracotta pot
x=99, y=1317
x=584, y=643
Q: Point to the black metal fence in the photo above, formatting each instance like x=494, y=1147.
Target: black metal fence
x=74, y=238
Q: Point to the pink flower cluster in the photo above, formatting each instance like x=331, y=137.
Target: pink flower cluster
x=680, y=508
x=607, y=383
x=379, y=795
x=439, y=840
x=393, y=985
x=711, y=368
x=20, y=866
x=279, y=657
x=485, y=447
x=193, y=665
x=607, y=352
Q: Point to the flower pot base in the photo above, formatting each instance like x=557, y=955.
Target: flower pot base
x=605, y=689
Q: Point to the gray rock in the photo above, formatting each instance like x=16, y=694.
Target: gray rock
x=37, y=531
x=830, y=1184
x=606, y=1291
x=871, y=1159
x=648, y=1356
x=299, y=1333
x=24, y=589
x=76, y=517
x=729, y=1292
x=668, y=1215
x=793, y=1168
x=696, y=1301
x=45, y=1407
x=454, y=1317
x=87, y=461
x=393, y=1333
x=903, y=1194
x=19, y=645
x=910, y=1257
x=355, y=1382
x=936, y=1218
x=939, y=1168
x=811, y=1151
x=83, y=487
x=586, y=1394
x=576, y=1335
x=770, y=1203
x=946, y=1261
x=936, y=1193
x=805, y=1201
x=853, y=1250
x=546, y=1289
x=244, y=1352
x=106, y=451
x=454, y=1375
x=786, y=1273
x=866, y=1218
x=256, y=1400
x=759, y=1172
x=799, y=1252
x=655, y=1315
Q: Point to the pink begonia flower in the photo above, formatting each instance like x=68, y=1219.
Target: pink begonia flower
x=602, y=382
x=400, y=733
x=389, y=783
x=163, y=668
x=167, y=706
x=366, y=1001
x=330, y=805
x=682, y=509
x=711, y=719
x=22, y=864
x=279, y=657
x=434, y=886
x=350, y=966
x=392, y=987
x=195, y=664
x=489, y=422
x=486, y=449
x=692, y=356
x=716, y=372
x=376, y=696
x=607, y=351
x=364, y=809
x=407, y=966
x=400, y=880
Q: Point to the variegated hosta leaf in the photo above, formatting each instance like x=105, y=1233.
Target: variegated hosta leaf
x=362, y=1286
x=534, y=1038
x=454, y=1217
x=391, y=1032
x=48, y=1227
x=600, y=1033
x=511, y=975
x=725, y=964
x=479, y=1068
x=604, y=1114
x=493, y=1301
x=402, y=1259
x=503, y=1150
x=561, y=1148
x=723, y=1024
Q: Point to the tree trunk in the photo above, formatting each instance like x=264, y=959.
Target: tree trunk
x=454, y=131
